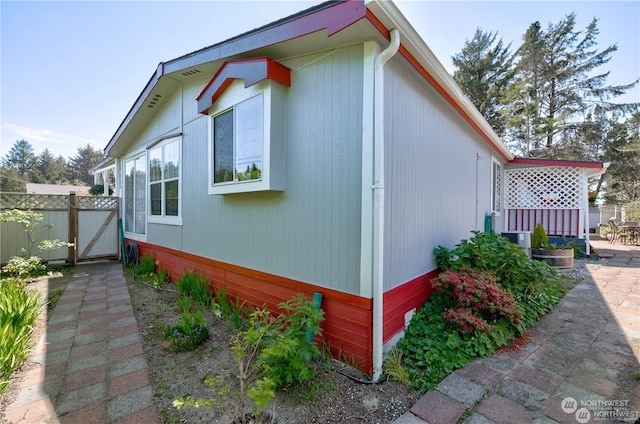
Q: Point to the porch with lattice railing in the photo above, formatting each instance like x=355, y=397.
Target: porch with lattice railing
x=552, y=195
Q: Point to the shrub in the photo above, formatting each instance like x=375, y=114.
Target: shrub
x=24, y=268
x=19, y=310
x=246, y=346
x=487, y=283
x=539, y=238
x=476, y=298
x=190, y=331
x=289, y=350
x=497, y=255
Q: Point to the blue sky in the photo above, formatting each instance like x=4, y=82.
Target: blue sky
x=70, y=71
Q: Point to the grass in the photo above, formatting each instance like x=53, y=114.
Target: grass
x=393, y=367
x=19, y=310
x=195, y=285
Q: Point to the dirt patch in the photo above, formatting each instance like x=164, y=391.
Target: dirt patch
x=329, y=398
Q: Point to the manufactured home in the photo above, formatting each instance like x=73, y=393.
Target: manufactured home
x=328, y=152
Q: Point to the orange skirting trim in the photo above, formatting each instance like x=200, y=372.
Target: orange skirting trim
x=347, y=328
x=348, y=318
x=400, y=300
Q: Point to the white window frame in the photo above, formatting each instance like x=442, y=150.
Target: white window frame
x=133, y=234
x=163, y=218
x=497, y=186
x=272, y=172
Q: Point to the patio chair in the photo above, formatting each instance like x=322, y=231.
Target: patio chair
x=616, y=232
x=632, y=230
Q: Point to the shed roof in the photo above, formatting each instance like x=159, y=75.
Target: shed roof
x=33, y=188
x=327, y=25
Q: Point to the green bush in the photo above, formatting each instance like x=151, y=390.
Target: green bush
x=195, y=285
x=288, y=351
x=432, y=347
x=539, y=238
x=190, y=331
x=497, y=255
x=19, y=310
x=24, y=268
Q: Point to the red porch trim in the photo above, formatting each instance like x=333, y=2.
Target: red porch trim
x=252, y=71
x=550, y=162
x=347, y=328
x=556, y=222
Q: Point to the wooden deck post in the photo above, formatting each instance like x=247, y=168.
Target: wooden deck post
x=73, y=228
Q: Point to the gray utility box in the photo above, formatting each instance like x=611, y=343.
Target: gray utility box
x=521, y=238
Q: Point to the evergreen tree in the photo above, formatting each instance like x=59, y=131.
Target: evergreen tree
x=50, y=170
x=10, y=181
x=558, y=85
x=80, y=164
x=622, y=149
x=484, y=68
x=21, y=158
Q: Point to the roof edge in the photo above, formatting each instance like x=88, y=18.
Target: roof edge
x=418, y=53
x=557, y=162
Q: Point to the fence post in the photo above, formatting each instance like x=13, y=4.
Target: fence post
x=73, y=227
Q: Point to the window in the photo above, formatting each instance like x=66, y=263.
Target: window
x=135, y=196
x=496, y=191
x=164, y=182
x=247, y=139
x=237, y=141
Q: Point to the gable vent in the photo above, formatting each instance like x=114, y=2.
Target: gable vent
x=191, y=72
x=154, y=100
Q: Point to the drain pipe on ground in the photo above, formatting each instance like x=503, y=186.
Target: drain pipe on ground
x=378, y=200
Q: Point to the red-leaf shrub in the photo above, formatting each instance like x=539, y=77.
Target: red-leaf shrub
x=477, y=298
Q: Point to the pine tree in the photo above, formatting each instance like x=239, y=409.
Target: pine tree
x=50, y=170
x=80, y=164
x=557, y=85
x=622, y=149
x=10, y=181
x=21, y=158
x=484, y=68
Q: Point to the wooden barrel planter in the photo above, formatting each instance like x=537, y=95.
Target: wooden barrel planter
x=557, y=258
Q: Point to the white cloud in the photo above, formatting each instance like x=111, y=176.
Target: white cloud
x=41, y=138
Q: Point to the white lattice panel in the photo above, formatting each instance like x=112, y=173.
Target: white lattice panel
x=551, y=187
x=34, y=201
x=97, y=202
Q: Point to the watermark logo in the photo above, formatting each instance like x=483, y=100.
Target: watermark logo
x=600, y=410
x=569, y=405
x=583, y=415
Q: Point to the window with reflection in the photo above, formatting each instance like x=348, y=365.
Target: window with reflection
x=164, y=181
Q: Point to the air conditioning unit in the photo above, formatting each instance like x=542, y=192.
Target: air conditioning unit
x=521, y=238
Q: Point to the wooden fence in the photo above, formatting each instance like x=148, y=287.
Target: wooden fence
x=89, y=222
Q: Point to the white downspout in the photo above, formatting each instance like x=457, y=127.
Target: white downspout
x=378, y=199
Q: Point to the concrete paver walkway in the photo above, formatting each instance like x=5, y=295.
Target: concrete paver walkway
x=89, y=362
x=576, y=368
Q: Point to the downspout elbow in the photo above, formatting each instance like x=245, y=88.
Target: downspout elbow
x=390, y=51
